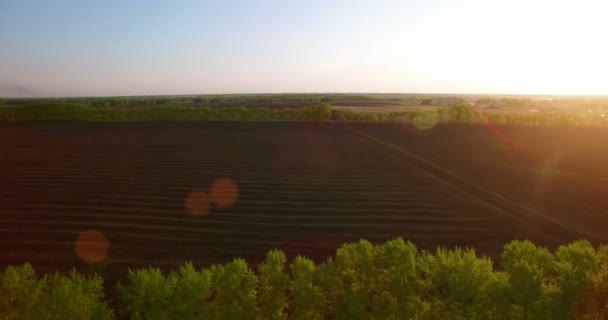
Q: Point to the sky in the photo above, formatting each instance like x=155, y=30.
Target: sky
x=151, y=47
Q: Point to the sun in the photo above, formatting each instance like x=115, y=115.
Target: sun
x=531, y=47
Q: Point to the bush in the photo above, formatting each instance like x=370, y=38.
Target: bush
x=424, y=119
x=219, y=292
x=305, y=295
x=25, y=296
x=273, y=285
x=393, y=280
x=96, y=111
x=459, y=284
x=148, y=294
x=71, y=112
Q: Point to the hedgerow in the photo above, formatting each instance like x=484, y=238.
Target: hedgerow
x=23, y=295
x=72, y=112
x=421, y=119
x=457, y=113
x=468, y=115
x=394, y=280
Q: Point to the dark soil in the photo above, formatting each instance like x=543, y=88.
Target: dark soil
x=305, y=188
x=561, y=172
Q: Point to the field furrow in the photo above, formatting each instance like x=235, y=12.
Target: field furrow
x=302, y=187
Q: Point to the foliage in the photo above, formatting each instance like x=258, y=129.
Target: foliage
x=592, y=303
x=147, y=294
x=166, y=109
x=273, y=285
x=465, y=114
x=219, y=292
x=56, y=296
x=457, y=113
x=305, y=294
x=81, y=113
x=573, y=270
x=459, y=284
x=393, y=280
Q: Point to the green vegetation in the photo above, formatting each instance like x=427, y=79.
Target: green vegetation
x=82, y=113
x=240, y=99
x=468, y=115
x=199, y=100
x=164, y=111
x=554, y=119
x=393, y=280
x=458, y=113
x=23, y=295
x=547, y=103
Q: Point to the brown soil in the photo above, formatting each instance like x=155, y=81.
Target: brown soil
x=302, y=187
x=560, y=172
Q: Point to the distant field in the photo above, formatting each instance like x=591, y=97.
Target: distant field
x=305, y=188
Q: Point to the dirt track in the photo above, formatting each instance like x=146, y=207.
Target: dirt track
x=302, y=187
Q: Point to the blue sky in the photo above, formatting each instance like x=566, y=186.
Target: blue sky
x=93, y=48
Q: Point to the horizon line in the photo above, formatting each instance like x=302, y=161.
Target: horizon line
x=309, y=93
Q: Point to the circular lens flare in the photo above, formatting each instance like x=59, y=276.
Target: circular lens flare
x=425, y=122
x=197, y=203
x=92, y=246
x=224, y=192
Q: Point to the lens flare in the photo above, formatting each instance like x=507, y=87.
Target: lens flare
x=425, y=122
x=197, y=203
x=92, y=246
x=224, y=192
x=496, y=131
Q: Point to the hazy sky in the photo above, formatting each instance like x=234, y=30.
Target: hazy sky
x=129, y=47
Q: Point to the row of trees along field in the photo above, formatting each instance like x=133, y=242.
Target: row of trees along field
x=466, y=114
x=125, y=102
x=573, y=104
x=83, y=113
x=117, y=102
x=393, y=280
x=425, y=118
x=235, y=100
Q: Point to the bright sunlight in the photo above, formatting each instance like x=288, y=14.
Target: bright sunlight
x=525, y=47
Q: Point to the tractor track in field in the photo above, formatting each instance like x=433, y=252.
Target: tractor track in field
x=483, y=194
x=302, y=187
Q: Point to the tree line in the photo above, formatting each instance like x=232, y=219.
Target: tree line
x=393, y=280
x=423, y=118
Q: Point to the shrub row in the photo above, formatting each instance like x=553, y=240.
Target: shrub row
x=82, y=113
x=553, y=119
x=23, y=295
x=393, y=280
x=457, y=113
x=468, y=115
x=73, y=112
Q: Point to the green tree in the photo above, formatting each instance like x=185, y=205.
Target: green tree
x=593, y=299
x=19, y=292
x=459, y=284
x=55, y=296
x=305, y=295
x=397, y=283
x=192, y=290
x=576, y=262
x=530, y=288
x=273, y=285
x=233, y=293
x=147, y=294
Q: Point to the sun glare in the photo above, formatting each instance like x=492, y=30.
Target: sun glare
x=532, y=47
